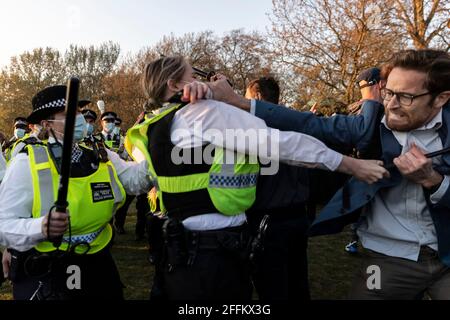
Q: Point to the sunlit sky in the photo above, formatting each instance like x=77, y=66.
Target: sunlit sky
x=134, y=24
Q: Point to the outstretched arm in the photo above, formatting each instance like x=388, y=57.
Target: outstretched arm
x=338, y=131
x=209, y=121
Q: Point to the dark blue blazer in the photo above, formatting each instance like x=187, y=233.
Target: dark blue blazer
x=357, y=131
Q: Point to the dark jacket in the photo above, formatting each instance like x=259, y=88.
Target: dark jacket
x=334, y=216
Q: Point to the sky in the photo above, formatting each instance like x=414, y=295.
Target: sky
x=134, y=24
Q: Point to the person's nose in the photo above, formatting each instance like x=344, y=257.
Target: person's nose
x=393, y=103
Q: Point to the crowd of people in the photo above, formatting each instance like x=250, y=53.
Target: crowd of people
x=223, y=223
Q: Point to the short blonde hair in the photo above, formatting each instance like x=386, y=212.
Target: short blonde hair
x=155, y=77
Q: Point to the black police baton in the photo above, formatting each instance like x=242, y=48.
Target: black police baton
x=61, y=203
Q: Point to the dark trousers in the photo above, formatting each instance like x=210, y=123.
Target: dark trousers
x=156, y=250
x=100, y=278
x=121, y=213
x=218, y=270
x=280, y=271
x=142, y=208
x=401, y=279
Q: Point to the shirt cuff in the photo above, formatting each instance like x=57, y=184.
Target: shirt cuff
x=35, y=230
x=437, y=196
x=335, y=160
x=253, y=106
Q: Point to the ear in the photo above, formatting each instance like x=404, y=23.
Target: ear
x=172, y=85
x=44, y=124
x=441, y=99
x=258, y=96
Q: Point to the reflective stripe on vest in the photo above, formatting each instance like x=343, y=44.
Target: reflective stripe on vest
x=45, y=179
x=115, y=187
x=17, y=148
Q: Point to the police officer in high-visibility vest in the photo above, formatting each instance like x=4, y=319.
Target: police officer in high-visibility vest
x=142, y=206
x=118, y=129
x=205, y=172
x=108, y=121
x=38, y=269
x=90, y=116
x=20, y=131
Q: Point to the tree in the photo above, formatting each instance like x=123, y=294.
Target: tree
x=92, y=64
x=240, y=58
x=27, y=74
x=237, y=54
x=327, y=43
x=426, y=23
x=198, y=48
x=123, y=93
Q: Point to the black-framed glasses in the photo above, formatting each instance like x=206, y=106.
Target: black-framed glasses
x=405, y=99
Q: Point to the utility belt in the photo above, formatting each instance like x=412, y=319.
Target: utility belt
x=181, y=246
x=36, y=264
x=23, y=264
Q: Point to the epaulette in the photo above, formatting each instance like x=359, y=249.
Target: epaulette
x=28, y=142
x=33, y=140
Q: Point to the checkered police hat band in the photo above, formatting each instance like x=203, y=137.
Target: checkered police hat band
x=54, y=104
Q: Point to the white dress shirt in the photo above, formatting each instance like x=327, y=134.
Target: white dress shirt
x=20, y=232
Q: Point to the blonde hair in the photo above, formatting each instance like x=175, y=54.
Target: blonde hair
x=155, y=77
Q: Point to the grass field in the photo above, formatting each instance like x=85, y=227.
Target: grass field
x=331, y=268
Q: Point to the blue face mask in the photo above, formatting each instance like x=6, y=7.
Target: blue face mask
x=19, y=133
x=109, y=127
x=90, y=129
x=116, y=130
x=80, y=129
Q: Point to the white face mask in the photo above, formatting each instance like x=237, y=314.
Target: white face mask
x=90, y=129
x=116, y=130
x=109, y=127
x=80, y=129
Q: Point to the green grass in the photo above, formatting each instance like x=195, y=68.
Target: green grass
x=330, y=268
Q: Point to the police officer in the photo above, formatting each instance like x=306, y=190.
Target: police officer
x=91, y=117
x=108, y=121
x=118, y=129
x=279, y=222
x=115, y=142
x=39, y=269
x=20, y=131
x=142, y=205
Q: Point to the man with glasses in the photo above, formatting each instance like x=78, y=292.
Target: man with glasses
x=406, y=222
